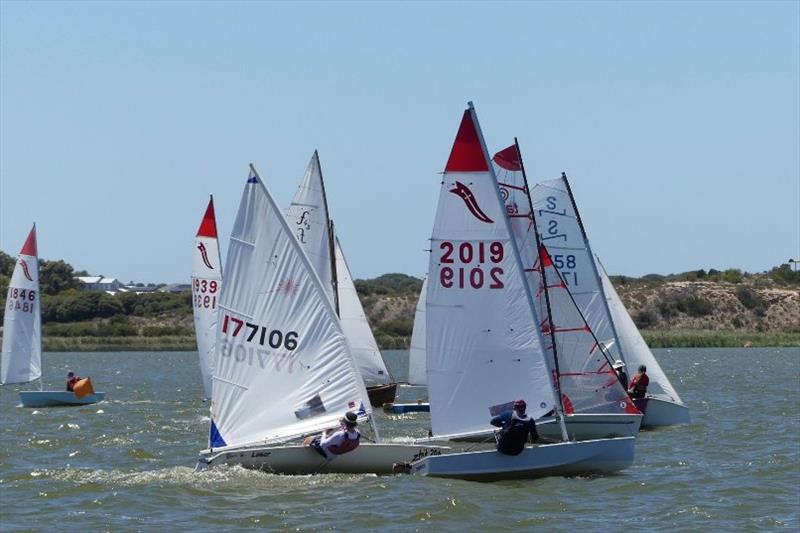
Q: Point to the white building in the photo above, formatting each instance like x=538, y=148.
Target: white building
x=100, y=283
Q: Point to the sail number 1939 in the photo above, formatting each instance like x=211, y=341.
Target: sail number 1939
x=471, y=265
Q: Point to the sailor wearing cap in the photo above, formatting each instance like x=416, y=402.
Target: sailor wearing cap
x=345, y=439
x=619, y=368
x=515, y=426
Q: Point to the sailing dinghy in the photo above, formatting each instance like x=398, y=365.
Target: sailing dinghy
x=483, y=343
x=283, y=366
x=309, y=217
x=661, y=406
x=595, y=403
x=22, y=335
x=564, y=234
x=206, y=285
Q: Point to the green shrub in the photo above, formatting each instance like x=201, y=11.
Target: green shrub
x=695, y=306
x=644, y=319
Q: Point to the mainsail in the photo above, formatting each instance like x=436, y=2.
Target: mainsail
x=356, y=327
x=283, y=366
x=22, y=324
x=633, y=345
x=310, y=222
x=206, y=285
x=562, y=233
x=482, y=340
x=309, y=217
x=417, y=374
x=585, y=378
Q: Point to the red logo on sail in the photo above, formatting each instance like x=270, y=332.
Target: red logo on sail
x=204, y=254
x=463, y=191
x=25, y=270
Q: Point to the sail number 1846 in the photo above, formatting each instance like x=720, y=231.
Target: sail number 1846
x=471, y=265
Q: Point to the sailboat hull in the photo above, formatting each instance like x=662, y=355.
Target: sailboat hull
x=381, y=394
x=52, y=398
x=658, y=412
x=368, y=458
x=602, y=456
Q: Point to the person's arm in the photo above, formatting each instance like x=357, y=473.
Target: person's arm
x=501, y=419
x=533, y=432
x=332, y=439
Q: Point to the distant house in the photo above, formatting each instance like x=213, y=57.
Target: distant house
x=138, y=289
x=100, y=284
x=175, y=287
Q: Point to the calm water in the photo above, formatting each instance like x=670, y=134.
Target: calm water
x=127, y=464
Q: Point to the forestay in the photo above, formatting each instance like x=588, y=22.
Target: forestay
x=483, y=346
x=22, y=323
x=283, y=367
x=585, y=378
x=633, y=345
x=417, y=374
x=310, y=222
x=356, y=328
x=562, y=233
x=206, y=285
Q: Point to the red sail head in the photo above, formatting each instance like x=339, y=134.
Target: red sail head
x=208, y=227
x=467, y=153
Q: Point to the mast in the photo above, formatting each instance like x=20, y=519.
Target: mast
x=331, y=241
x=517, y=257
x=560, y=416
x=592, y=261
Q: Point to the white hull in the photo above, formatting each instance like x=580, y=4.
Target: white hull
x=581, y=426
x=660, y=412
x=52, y=398
x=368, y=458
x=561, y=459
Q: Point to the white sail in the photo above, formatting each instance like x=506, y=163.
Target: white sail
x=310, y=222
x=206, y=286
x=22, y=323
x=634, y=347
x=586, y=380
x=356, y=328
x=482, y=340
x=562, y=233
x=283, y=366
x=417, y=366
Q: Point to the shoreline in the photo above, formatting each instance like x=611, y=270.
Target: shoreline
x=654, y=339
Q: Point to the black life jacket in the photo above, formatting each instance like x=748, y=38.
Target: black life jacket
x=514, y=435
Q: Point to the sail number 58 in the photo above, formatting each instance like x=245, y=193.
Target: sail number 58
x=468, y=265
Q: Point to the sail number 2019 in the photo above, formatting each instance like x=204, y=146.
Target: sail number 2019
x=471, y=265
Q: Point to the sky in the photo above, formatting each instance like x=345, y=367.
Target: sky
x=677, y=122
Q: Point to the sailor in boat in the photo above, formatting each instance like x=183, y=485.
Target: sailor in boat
x=515, y=427
x=639, y=383
x=343, y=440
x=72, y=379
x=619, y=368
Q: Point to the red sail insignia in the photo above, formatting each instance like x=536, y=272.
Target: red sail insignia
x=25, y=270
x=204, y=254
x=466, y=194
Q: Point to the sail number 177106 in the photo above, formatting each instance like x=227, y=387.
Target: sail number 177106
x=471, y=265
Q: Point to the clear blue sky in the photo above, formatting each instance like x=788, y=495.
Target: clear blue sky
x=678, y=123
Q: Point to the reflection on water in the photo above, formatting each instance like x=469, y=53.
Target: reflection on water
x=128, y=463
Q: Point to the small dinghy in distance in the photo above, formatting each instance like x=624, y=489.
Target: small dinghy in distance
x=284, y=369
x=22, y=336
x=402, y=408
x=483, y=341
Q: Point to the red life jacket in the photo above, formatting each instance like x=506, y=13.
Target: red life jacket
x=347, y=446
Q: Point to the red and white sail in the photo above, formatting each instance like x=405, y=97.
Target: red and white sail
x=22, y=323
x=206, y=286
x=283, y=366
x=483, y=345
x=584, y=375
